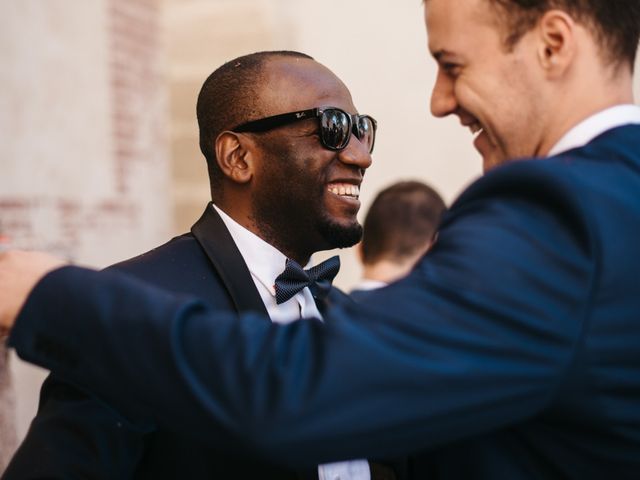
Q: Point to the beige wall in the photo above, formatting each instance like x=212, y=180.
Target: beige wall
x=84, y=169
x=200, y=36
x=8, y=436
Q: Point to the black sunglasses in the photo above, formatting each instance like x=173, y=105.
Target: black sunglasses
x=336, y=126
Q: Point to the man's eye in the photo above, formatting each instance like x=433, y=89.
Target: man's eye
x=451, y=69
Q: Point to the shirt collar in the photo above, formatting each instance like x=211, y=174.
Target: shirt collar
x=265, y=262
x=596, y=124
x=367, y=284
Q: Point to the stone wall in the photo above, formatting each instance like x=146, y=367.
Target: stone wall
x=84, y=169
x=8, y=437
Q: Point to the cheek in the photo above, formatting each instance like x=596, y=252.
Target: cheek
x=519, y=120
x=475, y=95
x=316, y=165
x=493, y=105
x=485, y=89
x=300, y=177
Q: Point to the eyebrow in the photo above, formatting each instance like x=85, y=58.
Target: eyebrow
x=438, y=54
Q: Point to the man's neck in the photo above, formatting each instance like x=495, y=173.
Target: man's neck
x=386, y=271
x=587, y=96
x=245, y=221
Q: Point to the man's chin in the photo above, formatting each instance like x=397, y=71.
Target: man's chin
x=492, y=156
x=340, y=234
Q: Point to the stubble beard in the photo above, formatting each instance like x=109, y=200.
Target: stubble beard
x=293, y=217
x=339, y=236
x=302, y=228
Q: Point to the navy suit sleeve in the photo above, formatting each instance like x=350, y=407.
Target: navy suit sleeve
x=75, y=436
x=481, y=335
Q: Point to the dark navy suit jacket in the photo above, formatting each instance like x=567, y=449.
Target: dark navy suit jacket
x=76, y=436
x=512, y=351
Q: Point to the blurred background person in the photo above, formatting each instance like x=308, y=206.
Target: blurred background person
x=399, y=228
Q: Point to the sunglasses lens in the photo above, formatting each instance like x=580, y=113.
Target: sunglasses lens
x=366, y=132
x=334, y=125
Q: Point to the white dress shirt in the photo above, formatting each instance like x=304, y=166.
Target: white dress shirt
x=367, y=284
x=265, y=263
x=596, y=124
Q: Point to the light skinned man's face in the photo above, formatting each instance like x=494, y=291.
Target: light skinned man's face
x=496, y=92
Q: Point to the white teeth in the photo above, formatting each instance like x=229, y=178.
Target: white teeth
x=344, y=189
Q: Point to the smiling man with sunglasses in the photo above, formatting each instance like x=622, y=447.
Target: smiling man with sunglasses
x=336, y=126
x=286, y=154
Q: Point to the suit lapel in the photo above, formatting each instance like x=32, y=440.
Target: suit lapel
x=214, y=238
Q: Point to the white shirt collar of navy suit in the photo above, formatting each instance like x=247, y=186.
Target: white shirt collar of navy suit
x=265, y=263
x=596, y=124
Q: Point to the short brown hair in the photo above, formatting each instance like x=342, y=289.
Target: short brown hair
x=402, y=219
x=616, y=23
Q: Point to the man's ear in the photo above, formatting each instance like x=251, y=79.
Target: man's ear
x=557, y=45
x=234, y=154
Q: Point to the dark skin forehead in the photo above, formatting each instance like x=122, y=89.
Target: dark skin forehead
x=291, y=84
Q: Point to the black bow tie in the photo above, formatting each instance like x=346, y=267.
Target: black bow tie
x=295, y=278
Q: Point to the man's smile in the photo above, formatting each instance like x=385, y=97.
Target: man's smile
x=344, y=190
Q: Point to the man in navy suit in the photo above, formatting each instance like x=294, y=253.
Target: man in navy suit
x=231, y=258
x=510, y=351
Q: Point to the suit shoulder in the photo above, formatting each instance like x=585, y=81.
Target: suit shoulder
x=177, y=246
x=568, y=177
x=533, y=190
x=180, y=264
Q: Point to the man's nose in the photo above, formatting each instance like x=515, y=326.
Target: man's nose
x=356, y=153
x=443, y=99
